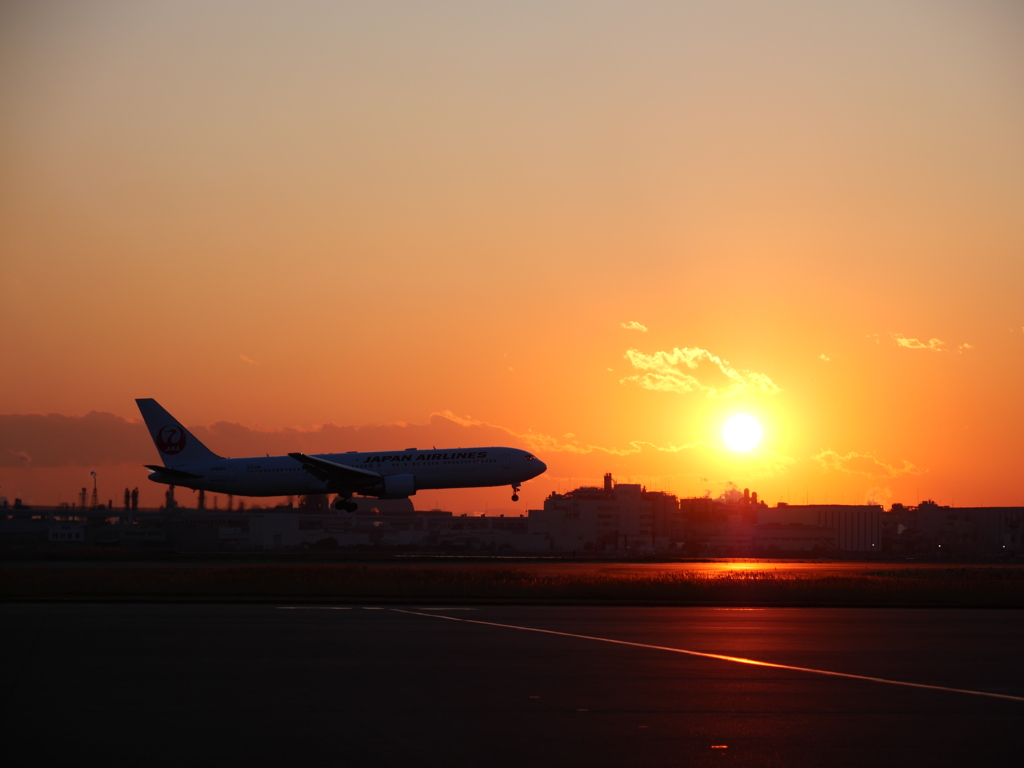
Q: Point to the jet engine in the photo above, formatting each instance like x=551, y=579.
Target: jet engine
x=397, y=487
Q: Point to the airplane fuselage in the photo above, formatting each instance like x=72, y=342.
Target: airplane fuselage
x=403, y=472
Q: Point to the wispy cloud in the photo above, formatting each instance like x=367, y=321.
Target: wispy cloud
x=248, y=360
x=664, y=372
x=935, y=345
x=633, y=325
x=541, y=442
x=53, y=440
x=878, y=495
x=865, y=464
x=824, y=357
x=764, y=462
x=772, y=463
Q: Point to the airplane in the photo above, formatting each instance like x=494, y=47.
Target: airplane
x=384, y=474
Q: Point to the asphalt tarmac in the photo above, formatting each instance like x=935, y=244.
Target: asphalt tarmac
x=176, y=684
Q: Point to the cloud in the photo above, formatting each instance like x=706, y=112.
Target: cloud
x=61, y=446
x=772, y=463
x=732, y=493
x=824, y=357
x=542, y=443
x=103, y=439
x=54, y=440
x=633, y=325
x=760, y=464
x=247, y=360
x=865, y=464
x=64, y=448
x=877, y=495
x=664, y=372
x=935, y=345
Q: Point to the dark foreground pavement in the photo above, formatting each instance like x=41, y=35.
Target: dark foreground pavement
x=177, y=684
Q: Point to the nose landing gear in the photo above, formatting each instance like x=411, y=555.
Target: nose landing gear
x=515, y=493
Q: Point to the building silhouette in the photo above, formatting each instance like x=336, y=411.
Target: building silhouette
x=611, y=520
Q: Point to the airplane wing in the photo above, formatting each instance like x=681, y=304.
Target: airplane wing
x=337, y=474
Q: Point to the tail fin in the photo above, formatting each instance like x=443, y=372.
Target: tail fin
x=176, y=444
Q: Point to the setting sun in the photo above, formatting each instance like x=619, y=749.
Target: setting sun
x=742, y=433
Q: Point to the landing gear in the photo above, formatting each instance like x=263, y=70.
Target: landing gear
x=345, y=504
x=515, y=493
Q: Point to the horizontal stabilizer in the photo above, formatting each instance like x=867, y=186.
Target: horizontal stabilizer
x=179, y=473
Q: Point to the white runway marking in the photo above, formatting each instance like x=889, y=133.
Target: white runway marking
x=720, y=657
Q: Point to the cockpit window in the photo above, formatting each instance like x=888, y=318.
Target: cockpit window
x=530, y=457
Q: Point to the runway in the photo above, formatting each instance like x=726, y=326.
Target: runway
x=383, y=685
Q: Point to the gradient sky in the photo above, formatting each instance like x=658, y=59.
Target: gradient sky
x=280, y=216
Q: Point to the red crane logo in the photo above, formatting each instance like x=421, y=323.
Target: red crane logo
x=171, y=439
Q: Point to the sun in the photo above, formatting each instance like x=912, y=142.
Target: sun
x=742, y=433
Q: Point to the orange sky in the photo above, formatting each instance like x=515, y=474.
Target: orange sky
x=287, y=215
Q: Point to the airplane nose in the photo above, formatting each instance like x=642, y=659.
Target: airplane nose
x=541, y=468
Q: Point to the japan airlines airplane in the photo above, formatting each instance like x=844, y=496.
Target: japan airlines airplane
x=384, y=474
